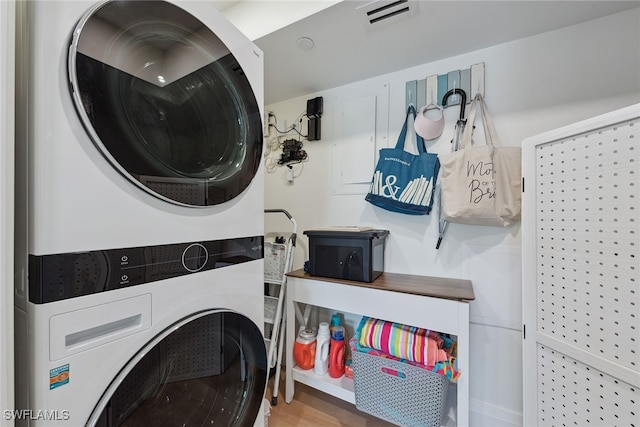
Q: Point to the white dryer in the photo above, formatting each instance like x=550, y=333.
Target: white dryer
x=139, y=291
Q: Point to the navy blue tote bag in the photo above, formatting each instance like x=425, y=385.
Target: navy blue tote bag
x=405, y=182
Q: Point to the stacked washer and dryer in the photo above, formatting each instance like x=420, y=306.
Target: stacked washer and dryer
x=139, y=289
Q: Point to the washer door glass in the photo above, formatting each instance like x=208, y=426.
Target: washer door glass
x=166, y=101
x=209, y=369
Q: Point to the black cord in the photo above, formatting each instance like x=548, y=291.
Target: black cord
x=289, y=130
x=286, y=130
x=296, y=162
x=276, y=128
x=304, y=136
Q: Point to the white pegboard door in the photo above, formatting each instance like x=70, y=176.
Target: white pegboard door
x=581, y=273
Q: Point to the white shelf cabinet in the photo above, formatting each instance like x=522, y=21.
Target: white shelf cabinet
x=439, y=304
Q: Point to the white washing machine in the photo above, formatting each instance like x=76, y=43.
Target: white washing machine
x=139, y=291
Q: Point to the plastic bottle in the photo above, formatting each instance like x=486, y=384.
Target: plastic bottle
x=304, y=349
x=335, y=321
x=348, y=368
x=321, y=365
x=336, y=353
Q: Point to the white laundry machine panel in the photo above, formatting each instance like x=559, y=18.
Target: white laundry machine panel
x=184, y=351
x=139, y=291
x=144, y=125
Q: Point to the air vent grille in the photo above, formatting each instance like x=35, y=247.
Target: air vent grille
x=386, y=12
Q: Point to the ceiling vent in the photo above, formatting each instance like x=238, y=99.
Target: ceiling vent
x=383, y=12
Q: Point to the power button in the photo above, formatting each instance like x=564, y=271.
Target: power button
x=194, y=257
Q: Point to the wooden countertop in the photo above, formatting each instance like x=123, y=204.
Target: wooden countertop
x=438, y=287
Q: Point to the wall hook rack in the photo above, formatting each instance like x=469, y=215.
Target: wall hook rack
x=433, y=89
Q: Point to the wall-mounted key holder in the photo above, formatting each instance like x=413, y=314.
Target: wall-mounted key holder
x=422, y=92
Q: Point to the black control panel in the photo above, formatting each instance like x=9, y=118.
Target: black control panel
x=63, y=276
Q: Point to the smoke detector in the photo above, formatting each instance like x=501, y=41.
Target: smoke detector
x=305, y=43
x=381, y=13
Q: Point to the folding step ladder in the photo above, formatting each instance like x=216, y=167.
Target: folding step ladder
x=278, y=260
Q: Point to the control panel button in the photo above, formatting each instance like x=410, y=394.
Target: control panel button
x=194, y=257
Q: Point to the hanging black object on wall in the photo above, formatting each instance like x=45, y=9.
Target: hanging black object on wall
x=292, y=152
x=314, y=113
x=314, y=129
x=314, y=107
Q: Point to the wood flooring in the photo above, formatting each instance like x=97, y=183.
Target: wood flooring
x=312, y=408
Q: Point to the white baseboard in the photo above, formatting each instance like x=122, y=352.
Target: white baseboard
x=483, y=414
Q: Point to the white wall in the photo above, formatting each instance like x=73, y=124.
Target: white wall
x=7, y=16
x=532, y=85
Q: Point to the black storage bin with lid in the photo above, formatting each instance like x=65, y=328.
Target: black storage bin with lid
x=349, y=255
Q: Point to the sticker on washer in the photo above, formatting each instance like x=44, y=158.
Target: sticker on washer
x=58, y=376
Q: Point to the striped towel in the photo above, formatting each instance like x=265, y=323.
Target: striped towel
x=406, y=342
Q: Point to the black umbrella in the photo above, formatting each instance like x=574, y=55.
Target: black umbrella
x=457, y=135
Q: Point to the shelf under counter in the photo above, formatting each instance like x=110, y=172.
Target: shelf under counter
x=439, y=304
x=341, y=388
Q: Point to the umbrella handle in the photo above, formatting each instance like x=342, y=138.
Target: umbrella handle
x=462, y=94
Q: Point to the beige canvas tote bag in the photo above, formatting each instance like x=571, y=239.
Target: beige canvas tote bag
x=481, y=184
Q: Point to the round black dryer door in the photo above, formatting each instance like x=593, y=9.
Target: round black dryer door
x=166, y=101
x=207, y=370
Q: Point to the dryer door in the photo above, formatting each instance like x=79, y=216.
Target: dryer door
x=166, y=101
x=208, y=369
